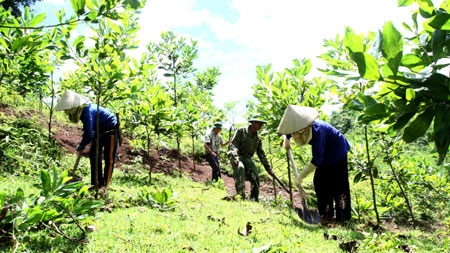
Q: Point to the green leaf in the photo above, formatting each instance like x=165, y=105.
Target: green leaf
x=78, y=6
x=55, y=177
x=46, y=182
x=440, y=21
x=437, y=43
x=19, y=43
x=49, y=215
x=352, y=41
x=410, y=94
x=34, y=215
x=392, y=46
x=2, y=198
x=367, y=65
x=38, y=19
x=20, y=195
x=442, y=131
x=401, y=3
x=403, y=120
x=418, y=127
x=438, y=87
x=426, y=8
x=413, y=62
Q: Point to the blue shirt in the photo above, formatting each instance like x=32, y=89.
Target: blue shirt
x=328, y=145
x=107, y=121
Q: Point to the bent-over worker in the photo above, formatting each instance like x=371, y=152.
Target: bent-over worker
x=79, y=108
x=329, y=160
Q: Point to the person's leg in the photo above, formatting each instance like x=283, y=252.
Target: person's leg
x=218, y=175
x=252, y=176
x=92, y=162
x=110, y=150
x=214, y=163
x=341, y=192
x=239, y=179
x=100, y=175
x=324, y=194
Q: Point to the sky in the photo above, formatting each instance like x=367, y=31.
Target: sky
x=238, y=35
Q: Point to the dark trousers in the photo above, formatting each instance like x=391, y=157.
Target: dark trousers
x=215, y=166
x=333, y=191
x=108, y=147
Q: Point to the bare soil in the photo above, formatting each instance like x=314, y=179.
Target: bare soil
x=162, y=161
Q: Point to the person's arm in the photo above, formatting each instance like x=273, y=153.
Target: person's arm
x=263, y=159
x=223, y=143
x=305, y=172
x=88, y=129
x=208, y=149
x=233, y=148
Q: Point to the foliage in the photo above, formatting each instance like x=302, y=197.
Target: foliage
x=24, y=147
x=58, y=203
x=15, y=6
x=163, y=199
x=412, y=92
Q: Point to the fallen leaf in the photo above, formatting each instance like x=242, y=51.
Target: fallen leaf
x=247, y=231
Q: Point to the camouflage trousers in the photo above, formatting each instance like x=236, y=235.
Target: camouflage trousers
x=246, y=170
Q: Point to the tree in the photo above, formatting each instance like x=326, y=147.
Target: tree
x=413, y=94
x=174, y=56
x=16, y=5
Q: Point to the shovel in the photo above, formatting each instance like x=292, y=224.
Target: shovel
x=307, y=215
x=76, y=178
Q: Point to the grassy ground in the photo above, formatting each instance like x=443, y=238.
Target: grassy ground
x=201, y=221
x=197, y=219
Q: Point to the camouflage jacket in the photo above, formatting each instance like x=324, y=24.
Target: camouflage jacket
x=244, y=145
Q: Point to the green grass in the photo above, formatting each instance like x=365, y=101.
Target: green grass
x=203, y=222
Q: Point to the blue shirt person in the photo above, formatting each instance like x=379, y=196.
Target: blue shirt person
x=79, y=108
x=329, y=149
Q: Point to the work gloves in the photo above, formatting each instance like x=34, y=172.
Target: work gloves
x=305, y=172
x=80, y=148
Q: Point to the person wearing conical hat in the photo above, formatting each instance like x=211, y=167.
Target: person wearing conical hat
x=329, y=160
x=78, y=108
x=245, y=142
x=212, y=144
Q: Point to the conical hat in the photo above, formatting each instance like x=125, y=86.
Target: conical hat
x=296, y=118
x=70, y=100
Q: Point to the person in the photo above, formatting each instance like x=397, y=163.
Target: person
x=329, y=160
x=242, y=147
x=79, y=108
x=213, y=142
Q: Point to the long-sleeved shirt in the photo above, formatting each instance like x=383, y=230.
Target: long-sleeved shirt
x=245, y=144
x=328, y=145
x=107, y=121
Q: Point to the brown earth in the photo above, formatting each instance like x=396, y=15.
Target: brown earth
x=162, y=160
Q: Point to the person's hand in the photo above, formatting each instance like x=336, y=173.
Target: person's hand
x=270, y=171
x=287, y=143
x=80, y=148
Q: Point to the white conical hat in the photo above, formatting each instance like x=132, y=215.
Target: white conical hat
x=70, y=100
x=296, y=118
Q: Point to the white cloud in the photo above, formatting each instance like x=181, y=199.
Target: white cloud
x=261, y=32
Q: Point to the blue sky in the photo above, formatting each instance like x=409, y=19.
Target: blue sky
x=238, y=35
